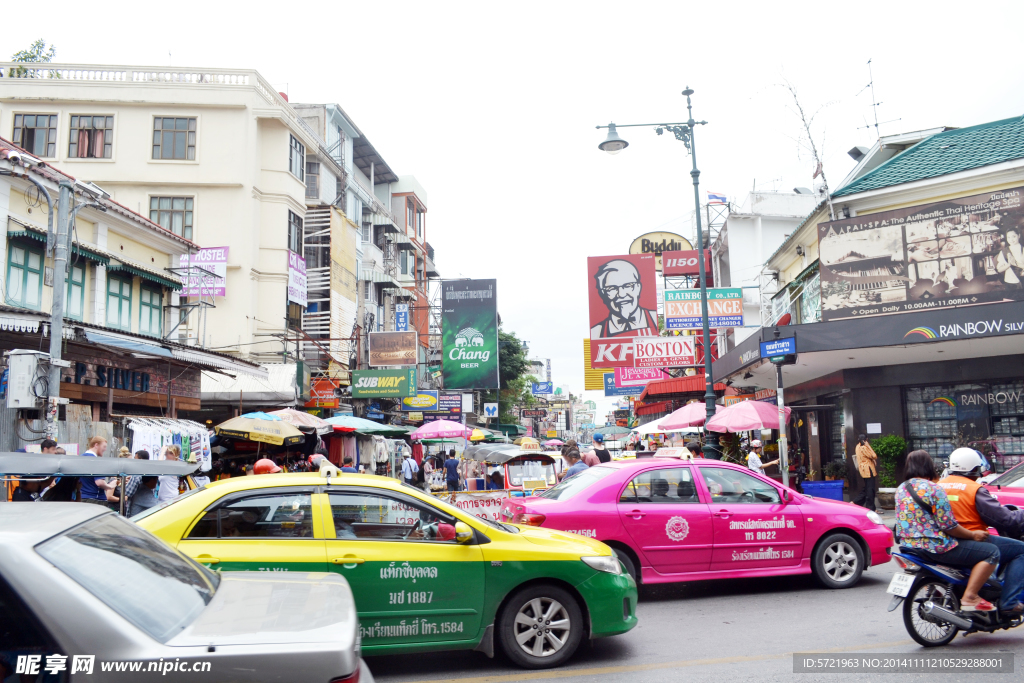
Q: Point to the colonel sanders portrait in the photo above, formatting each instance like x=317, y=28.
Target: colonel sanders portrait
x=618, y=284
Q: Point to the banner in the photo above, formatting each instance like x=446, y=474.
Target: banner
x=663, y=352
x=379, y=383
x=321, y=394
x=392, y=348
x=683, y=308
x=959, y=252
x=611, y=390
x=469, y=333
x=423, y=401
x=296, y=279
x=485, y=504
x=401, y=317
x=534, y=412
x=449, y=403
x=680, y=263
x=637, y=377
x=623, y=296
x=214, y=259
x=542, y=388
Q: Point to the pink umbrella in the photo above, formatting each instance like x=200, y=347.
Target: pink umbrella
x=441, y=429
x=554, y=442
x=690, y=415
x=745, y=415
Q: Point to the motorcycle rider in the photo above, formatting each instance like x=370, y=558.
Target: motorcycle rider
x=976, y=509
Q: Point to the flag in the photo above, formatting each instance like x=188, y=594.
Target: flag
x=716, y=198
x=817, y=171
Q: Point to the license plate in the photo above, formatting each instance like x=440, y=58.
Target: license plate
x=900, y=584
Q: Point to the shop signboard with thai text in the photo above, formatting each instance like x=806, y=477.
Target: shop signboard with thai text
x=958, y=252
x=683, y=308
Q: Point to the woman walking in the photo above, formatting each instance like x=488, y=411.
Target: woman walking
x=867, y=465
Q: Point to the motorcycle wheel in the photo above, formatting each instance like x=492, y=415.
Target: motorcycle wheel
x=924, y=629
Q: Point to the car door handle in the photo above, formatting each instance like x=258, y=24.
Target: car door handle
x=348, y=560
x=636, y=514
x=724, y=514
x=206, y=559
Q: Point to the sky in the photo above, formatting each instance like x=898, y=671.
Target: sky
x=493, y=107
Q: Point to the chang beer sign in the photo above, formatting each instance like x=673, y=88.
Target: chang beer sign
x=383, y=383
x=469, y=332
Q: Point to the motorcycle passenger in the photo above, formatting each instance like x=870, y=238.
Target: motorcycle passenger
x=976, y=509
x=926, y=527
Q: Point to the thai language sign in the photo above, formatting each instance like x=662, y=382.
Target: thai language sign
x=296, y=279
x=469, y=333
x=960, y=252
x=212, y=259
x=483, y=504
x=380, y=383
x=683, y=308
x=662, y=352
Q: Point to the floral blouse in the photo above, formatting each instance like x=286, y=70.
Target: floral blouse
x=917, y=528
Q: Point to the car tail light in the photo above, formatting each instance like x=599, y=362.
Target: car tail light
x=528, y=518
x=351, y=678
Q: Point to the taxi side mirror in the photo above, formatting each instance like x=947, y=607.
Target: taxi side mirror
x=785, y=496
x=463, y=533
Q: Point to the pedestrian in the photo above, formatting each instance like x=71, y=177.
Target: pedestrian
x=694, y=448
x=409, y=469
x=266, y=466
x=131, y=484
x=754, y=458
x=576, y=465
x=168, y=483
x=27, y=491
x=451, y=471
x=867, y=465
x=94, y=490
x=64, y=490
x=590, y=458
x=496, y=481
x=599, y=450
x=48, y=446
x=140, y=491
x=346, y=465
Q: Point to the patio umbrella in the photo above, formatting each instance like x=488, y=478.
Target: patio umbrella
x=260, y=427
x=477, y=435
x=554, y=442
x=297, y=418
x=690, y=415
x=746, y=415
x=348, y=423
x=441, y=429
x=611, y=431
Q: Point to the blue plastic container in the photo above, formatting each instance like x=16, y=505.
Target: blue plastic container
x=824, y=489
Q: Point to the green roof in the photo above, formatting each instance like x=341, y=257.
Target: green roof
x=948, y=152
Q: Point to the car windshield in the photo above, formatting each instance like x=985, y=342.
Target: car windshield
x=570, y=487
x=134, y=573
x=161, y=505
x=531, y=474
x=1013, y=477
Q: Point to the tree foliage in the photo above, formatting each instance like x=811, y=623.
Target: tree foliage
x=37, y=53
x=889, y=449
x=512, y=378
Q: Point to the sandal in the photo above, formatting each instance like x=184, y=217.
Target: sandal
x=980, y=606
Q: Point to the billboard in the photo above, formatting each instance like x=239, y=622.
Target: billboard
x=681, y=263
x=611, y=353
x=611, y=390
x=380, y=383
x=392, y=348
x=944, y=254
x=637, y=377
x=658, y=243
x=623, y=296
x=541, y=388
x=213, y=259
x=662, y=352
x=469, y=334
x=321, y=394
x=423, y=401
x=296, y=279
x=402, y=317
x=683, y=309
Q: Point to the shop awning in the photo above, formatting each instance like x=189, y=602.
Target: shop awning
x=274, y=388
x=133, y=345
x=79, y=249
x=145, y=274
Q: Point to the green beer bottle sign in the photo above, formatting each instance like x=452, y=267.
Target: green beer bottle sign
x=469, y=332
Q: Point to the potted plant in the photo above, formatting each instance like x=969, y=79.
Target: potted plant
x=832, y=487
x=835, y=470
x=889, y=449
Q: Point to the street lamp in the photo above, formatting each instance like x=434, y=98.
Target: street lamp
x=684, y=132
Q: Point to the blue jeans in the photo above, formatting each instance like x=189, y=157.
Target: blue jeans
x=966, y=554
x=1011, y=562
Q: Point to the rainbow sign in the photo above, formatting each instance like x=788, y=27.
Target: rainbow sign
x=926, y=332
x=943, y=399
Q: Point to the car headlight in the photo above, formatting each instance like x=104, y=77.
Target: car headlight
x=874, y=517
x=604, y=563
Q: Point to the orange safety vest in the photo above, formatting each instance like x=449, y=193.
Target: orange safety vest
x=961, y=492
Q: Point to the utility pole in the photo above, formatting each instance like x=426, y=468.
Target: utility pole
x=60, y=261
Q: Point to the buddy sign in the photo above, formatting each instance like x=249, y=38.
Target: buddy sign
x=657, y=243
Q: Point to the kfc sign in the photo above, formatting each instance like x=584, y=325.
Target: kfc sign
x=676, y=263
x=612, y=353
x=663, y=352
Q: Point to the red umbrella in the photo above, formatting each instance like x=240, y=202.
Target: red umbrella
x=746, y=415
x=690, y=415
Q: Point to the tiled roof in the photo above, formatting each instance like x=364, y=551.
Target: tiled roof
x=949, y=152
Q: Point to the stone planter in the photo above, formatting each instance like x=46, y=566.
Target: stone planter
x=886, y=499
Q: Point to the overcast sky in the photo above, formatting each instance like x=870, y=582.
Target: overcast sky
x=492, y=106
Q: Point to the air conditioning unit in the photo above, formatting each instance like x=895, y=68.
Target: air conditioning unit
x=23, y=369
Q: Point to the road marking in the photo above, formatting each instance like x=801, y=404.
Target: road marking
x=597, y=671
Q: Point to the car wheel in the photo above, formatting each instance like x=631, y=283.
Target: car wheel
x=838, y=561
x=627, y=562
x=541, y=626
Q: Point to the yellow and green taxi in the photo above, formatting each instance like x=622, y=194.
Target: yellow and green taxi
x=425, y=574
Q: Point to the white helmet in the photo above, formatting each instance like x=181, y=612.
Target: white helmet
x=963, y=460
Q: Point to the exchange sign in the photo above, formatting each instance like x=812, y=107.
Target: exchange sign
x=662, y=352
x=377, y=383
x=683, y=308
x=469, y=333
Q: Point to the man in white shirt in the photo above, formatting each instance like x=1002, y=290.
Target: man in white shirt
x=409, y=469
x=754, y=458
x=169, y=482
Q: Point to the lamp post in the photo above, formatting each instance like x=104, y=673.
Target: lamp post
x=684, y=132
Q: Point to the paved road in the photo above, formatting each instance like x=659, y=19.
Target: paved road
x=741, y=630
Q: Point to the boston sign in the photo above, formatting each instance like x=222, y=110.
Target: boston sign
x=662, y=352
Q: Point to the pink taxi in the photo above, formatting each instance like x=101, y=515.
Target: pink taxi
x=671, y=520
x=1008, y=487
